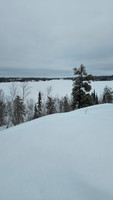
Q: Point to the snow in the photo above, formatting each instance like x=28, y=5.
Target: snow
x=62, y=157
x=2, y=128
x=59, y=88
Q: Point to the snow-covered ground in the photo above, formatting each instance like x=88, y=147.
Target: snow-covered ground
x=59, y=157
x=59, y=88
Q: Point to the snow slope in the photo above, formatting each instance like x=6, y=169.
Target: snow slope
x=60, y=88
x=59, y=157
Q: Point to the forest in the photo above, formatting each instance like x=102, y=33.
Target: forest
x=16, y=109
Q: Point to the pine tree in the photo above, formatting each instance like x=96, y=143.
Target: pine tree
x=50, y=105
x=39, y=104
x=66, y=107
x=81, y=88
x=94, y=97
x=38, y=107
x=61, y=105
x=2, y=108
x=35, y=111
x=19, y=111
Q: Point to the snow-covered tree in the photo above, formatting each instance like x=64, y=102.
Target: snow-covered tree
x=81, y=88
x=107, y=95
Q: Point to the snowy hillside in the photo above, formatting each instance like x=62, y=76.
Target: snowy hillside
x=59, y=157
x=59, y=88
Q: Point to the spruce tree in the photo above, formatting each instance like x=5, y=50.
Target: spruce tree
x=35, y=111
x=19, y=110
x=2, y=108
x=61, y=105
x=66, y=106
x=95, y=98
x=50, y=105
x=38, y=107
x=39, y=104
x=81, y=88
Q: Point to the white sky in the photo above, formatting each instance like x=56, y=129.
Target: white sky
x=50, y=37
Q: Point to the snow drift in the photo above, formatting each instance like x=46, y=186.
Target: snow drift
x=59, y=157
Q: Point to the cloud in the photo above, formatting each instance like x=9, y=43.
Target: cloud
x=56, y=35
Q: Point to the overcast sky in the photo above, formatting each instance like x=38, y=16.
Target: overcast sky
x=50, y=37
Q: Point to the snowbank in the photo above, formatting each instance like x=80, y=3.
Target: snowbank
x=62, y=157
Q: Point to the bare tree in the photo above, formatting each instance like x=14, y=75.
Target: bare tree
x=13, y=91
x=25, y=90
x=29, y=110
x=49, y=90
x=107, y=95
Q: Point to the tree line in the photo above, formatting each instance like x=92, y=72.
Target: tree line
x=17, y=109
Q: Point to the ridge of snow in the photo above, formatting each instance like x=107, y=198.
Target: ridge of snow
x=62, y=157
